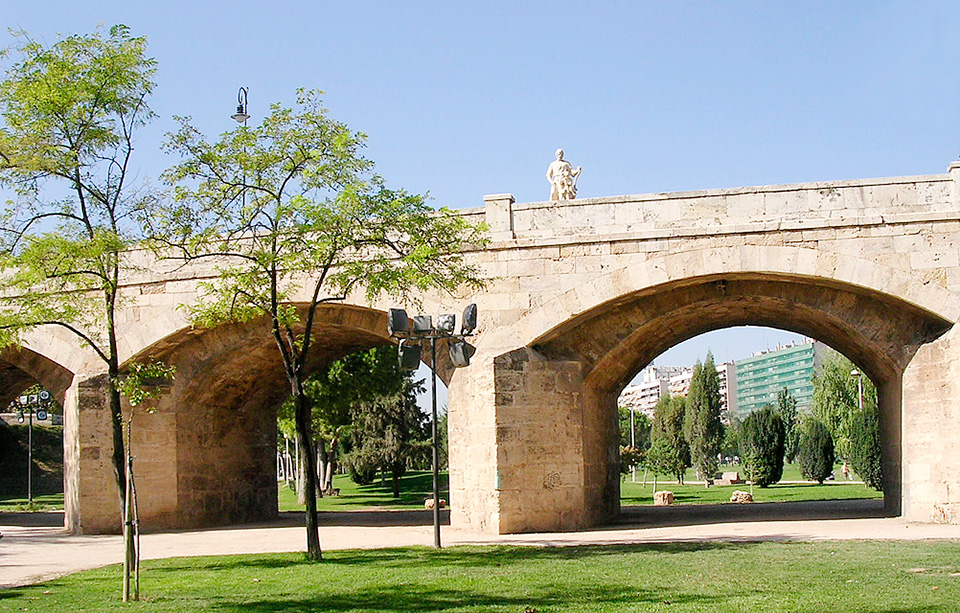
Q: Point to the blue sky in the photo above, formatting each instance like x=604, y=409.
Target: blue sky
x=462, y=99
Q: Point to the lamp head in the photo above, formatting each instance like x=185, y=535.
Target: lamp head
x=397, y=323
x=446, y=323
x=469, y=319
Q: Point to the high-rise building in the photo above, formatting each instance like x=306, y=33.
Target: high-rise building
x=764, y=375
x=659, y=380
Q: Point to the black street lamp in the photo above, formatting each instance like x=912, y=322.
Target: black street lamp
x=27, y=403
x=241, y=115
x=410, y=352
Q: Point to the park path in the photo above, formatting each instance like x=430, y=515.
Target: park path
x=31, y=552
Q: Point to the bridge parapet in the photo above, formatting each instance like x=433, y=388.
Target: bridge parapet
x=804, y=204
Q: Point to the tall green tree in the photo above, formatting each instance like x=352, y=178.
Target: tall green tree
x=290, y=208
x=865, y=447
x=390, y=433
x=334, y=391
x=70, y=113
x=761, y=443
x=702, y=427
x=815, y=450
x=856, y=431
x=787, y=409
x=669, y=452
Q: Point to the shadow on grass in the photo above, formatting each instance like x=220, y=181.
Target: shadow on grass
x=467, y=556
x=402, y=598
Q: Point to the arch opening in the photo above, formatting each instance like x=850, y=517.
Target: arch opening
x=615, y=340
x=754, y=367
x=208, y=446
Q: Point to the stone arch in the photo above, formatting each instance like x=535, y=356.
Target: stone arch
x=581, y=347
x=796, y=262
x=206, y=449
x=21, y=367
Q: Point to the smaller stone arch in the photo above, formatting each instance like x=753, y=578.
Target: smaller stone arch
x=206, y=449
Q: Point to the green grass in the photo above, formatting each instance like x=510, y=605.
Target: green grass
x=46, y=502
x=691, y=493
x=678, y=577
x=415, y=487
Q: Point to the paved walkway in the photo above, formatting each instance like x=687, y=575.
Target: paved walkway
x=35, y=548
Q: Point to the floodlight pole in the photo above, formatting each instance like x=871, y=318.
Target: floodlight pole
x=30, y=458
x=398, y=327
x=436, y=450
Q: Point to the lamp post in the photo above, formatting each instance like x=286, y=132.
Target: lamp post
x=241, y=117
x=28, y=403
x=410, y=352
x=858, y=376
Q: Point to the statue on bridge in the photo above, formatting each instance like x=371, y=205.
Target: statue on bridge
x=563, y=178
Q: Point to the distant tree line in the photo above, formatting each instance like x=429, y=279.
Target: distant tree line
x=688, y=432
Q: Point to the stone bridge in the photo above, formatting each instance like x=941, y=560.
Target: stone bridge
x=583, y=295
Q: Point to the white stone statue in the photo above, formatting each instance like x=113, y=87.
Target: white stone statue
x=563, y=178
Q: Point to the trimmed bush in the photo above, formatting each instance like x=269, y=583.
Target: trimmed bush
x=761, y=442
x=865, y=446
x=815, y=450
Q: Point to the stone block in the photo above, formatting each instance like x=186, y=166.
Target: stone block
x=662, y=498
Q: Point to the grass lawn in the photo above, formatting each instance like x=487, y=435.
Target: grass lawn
x=415, y=487
x=46, y=502
x=823, y=576
x=691, y=493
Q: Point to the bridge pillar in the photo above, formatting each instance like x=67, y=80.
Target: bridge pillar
x=529, y=450
x=931, y=432
x=91, y=498
x=498, y=213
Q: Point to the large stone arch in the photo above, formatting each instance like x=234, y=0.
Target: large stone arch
x=205, y=451
x=550, y=403
x=21, y=367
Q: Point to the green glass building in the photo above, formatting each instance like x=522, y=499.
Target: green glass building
x=761, y=377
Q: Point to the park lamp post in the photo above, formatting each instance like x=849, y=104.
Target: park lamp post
x=856, y=374
x=27, y=403
x=410, y=352
x=241, y=117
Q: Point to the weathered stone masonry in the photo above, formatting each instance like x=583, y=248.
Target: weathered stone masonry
x=583, y=294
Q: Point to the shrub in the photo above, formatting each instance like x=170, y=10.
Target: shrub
x=865, y=446
x=761, y=442
x=815, y=450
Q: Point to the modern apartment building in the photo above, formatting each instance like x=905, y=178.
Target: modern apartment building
x=761, y=377
x=658, y=380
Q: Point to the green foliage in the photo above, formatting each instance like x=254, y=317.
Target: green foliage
x=865, y=448
x=291, y=198
x=787, y=409
x=761, y=443
x=289, y=210
x=47, y=459
x=70, y=112
x=145, y=381
x=836, y=399
x=815, y=450
x=389, y=433
x=669, y=452
x=641, y=428
x=702, y=427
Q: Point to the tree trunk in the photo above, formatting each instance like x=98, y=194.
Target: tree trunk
x=323, y=459
x=302, y=416
x=301, y=485
x=395, y=473
x=119, y=459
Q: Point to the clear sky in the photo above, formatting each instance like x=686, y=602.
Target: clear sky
x=462, y=99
